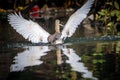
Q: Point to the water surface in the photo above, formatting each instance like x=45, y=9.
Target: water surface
x=93, y=58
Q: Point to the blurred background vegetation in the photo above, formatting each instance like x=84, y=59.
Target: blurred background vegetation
x=106, y=12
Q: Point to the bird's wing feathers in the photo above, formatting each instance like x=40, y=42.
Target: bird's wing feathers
x=28, y=29
x=75, y=19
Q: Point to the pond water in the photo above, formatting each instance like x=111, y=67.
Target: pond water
x=95, y=58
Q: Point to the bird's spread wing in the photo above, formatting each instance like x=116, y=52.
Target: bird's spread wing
x=27, y=28
x=75, y=19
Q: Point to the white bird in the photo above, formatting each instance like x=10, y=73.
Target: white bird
x=35, y=33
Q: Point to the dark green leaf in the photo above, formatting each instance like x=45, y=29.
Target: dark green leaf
x=116, y=5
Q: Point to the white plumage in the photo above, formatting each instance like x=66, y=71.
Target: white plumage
x=28, y=29
x=35, y=33
x=75, y=19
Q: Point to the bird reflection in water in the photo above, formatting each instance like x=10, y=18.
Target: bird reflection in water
x=29, y=57
x=32, y=55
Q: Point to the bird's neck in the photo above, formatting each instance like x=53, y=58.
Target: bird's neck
x=57, y=26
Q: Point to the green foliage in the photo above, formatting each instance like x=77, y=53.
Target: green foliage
x=98, y=54
x=99, y=58
x=98, y=61
x=116, y=5
x=110, y=16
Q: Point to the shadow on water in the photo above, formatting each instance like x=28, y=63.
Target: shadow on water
x=94, y=58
